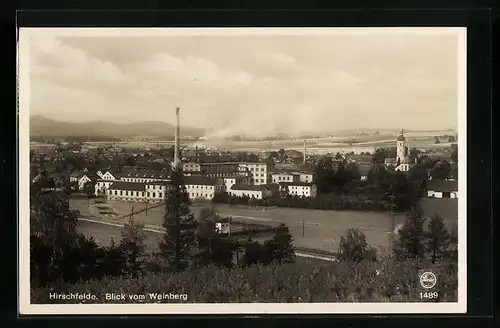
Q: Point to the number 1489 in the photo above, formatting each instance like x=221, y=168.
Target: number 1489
x=429, y=295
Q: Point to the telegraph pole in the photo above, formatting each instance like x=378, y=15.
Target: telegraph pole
x=303, y=227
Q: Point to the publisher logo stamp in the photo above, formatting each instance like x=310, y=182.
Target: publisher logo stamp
x=427, y=280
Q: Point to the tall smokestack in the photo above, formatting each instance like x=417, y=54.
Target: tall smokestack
x=305, y=150
x=177, y=136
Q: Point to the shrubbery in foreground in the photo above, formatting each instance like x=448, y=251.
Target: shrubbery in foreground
x=303, y=281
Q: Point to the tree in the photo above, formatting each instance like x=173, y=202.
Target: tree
x=282, y=155
x=89, y=189
x=132, y=246
x=441, y=170
x=454, y=153
x=280, y=247
x=52, y=220
x=353, y=247
x=255, y=253
x=179, y=244
x=211, y=247
x=57, y=250
x=324, y=174
x=381, y=154
x=436, y=140
x=410, y=244
x=438, y=239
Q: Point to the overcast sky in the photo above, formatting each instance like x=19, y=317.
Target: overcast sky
x=250, y=83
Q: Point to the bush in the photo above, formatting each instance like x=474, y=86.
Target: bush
x=353, y=247
x=303, y=281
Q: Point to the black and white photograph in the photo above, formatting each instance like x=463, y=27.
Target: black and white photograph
x=242, y=170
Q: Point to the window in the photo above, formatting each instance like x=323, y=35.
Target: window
x=116, y=192
x=121, y=193
x=262, y=169
x=148, y=193
x=159, y=195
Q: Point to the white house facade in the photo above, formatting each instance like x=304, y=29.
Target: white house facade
x=252, y=191
x=301, y=189
x=258, y=171
x=285, y=177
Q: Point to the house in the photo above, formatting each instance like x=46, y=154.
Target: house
x=197, y=187
x=84, y=178
x=405, y=165
x=259, y=172
x=284, y=176
x=292, y=175
x=228, y=182
x=249, y=190
x=301, y=189
x=105, y=175
x=137, y=191
x=306, y=176
x=442, y=189
x=127, y=191
x=200, y=187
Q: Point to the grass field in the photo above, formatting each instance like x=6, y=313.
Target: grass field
x=314, y=229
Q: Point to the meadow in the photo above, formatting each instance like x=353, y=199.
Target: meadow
x=312, y=229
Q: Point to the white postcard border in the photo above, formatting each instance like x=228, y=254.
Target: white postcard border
x=25, y=308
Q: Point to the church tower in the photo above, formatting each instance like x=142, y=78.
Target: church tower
x=400, y=147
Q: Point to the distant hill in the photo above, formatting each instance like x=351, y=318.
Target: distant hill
x=42, y=126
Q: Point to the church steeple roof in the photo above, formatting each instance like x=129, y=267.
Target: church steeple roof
x=401, y=136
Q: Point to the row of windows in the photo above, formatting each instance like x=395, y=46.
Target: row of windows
x=256, y=169
x=245, y=195
x=285, y=178
x=258, y=180
x=135, y=193
x=200, y=195
x=201, y=187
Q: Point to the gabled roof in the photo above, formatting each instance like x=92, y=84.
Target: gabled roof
x=248, y=187
x=199, y=180
x=443, y=185
x=134, y=186
x=298, y=184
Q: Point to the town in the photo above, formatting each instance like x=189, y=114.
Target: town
x=250, y=188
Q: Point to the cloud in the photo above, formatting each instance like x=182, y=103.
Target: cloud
x=53, y=59
x=191, y=69
x=278, y=58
